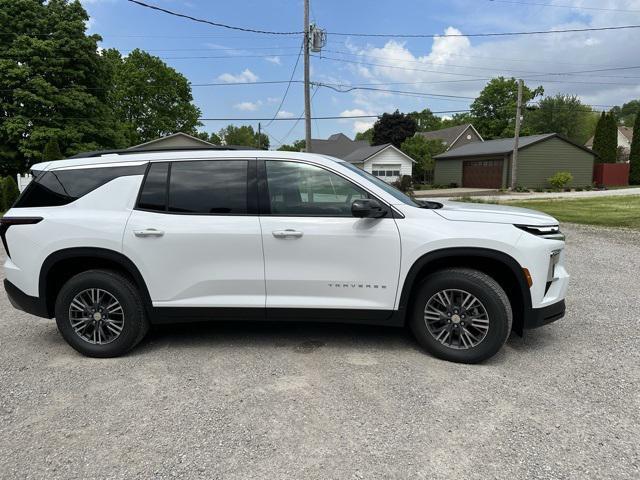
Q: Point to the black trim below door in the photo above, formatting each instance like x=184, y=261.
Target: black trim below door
x=170, y=315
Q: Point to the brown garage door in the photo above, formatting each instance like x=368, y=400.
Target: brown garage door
x=482, y=174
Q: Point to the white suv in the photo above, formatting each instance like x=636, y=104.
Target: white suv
x=109, y=243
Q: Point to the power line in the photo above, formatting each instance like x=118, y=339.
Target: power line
x=573, y=7
x=496, y=34
x=284, y=97
x=209, y=22
x=347, y=88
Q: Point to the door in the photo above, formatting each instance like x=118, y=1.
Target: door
x=317, y=255
x=482, y=174
x=196, y=242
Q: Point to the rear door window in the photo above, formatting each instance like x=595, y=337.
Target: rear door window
x=209, y=187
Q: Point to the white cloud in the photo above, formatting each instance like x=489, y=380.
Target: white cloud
x=245, y=76
x=285, y=114
x=361, y=124
x=273, y=99
x=248, y=106
x=275, y=60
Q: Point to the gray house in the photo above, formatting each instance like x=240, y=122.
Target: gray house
x=454, y=137
x=488, y=164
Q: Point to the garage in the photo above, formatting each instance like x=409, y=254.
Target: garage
x=482, y=173
x=488, y=164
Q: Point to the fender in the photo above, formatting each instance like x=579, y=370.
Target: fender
x=437, y=256
x=93, y=253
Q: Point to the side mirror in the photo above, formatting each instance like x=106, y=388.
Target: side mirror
x=367, y=208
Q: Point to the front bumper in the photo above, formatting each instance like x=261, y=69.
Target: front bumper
x=537, y=317
x=26, y=303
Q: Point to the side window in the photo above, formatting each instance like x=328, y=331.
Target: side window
x=307, y=190
x=60, y=187
x=153, y=195
x=209, y=186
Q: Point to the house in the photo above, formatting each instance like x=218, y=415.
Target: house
x=175, y=140
x=454, y=137
x=384, y=161
x=488, y=164
x=625, y=135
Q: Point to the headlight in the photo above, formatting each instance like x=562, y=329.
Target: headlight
x=551, y=232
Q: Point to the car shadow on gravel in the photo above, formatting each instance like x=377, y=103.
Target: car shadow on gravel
x=302, y=337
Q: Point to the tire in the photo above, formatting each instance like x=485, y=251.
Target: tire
x=121, y=327
x=440, y=329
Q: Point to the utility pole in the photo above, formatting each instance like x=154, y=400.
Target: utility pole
x=259, y=136
x=516, y=140
x=307, y=95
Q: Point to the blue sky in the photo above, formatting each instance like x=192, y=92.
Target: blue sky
x=454, y=66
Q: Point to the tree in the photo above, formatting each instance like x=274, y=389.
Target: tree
x=605, y=141
x=426, y=120
x=209, y=137
x=634, y=154
x=243, y=136
x=366, y=135
x=52, y=151
x=626, y=114
x=9, y=192
x=457, y=119
x=422, y=151
x=297, y=146
x=393, y=128
x=148, y=97
x=563, y=114
x=494, y=110
x=52, y=83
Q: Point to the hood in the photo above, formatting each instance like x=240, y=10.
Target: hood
x=486, y=212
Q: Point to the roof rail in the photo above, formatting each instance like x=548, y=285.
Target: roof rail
x=132, y=151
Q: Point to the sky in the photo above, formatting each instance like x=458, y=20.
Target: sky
x=446, y=72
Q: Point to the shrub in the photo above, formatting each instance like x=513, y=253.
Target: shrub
x=10, y=192
x=520, y=189
x=539, y=190
x=560, y=180
x=404, y=184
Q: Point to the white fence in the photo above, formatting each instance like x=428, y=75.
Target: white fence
x=23, y=181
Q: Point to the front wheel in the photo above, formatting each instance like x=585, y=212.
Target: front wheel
x=100, y=313
x=461, y=315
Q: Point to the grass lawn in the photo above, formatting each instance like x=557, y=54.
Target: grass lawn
x=622, y=211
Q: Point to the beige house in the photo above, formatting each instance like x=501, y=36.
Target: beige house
x=625, y=135
x=175, y=140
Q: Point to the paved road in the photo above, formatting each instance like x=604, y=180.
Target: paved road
x=491, y=195
x=294, y=402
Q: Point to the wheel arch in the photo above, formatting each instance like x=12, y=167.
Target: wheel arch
x=61, y=265
x=501, y=267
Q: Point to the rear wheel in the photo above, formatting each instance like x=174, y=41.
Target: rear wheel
x=461, y=315
x=100, y=313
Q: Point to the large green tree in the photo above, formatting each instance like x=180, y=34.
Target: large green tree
x=148, y=97
x=426, y=120
x=52, y=83
x=297, y=146
x=605, y=141
x=457, y=119
x=244, y=136
x=422, y=151
x=367, y=135
x=563, y=114
x=209, y=137
x=626, y=114
x=393, y=128
x=494, y=110
x=634, y=155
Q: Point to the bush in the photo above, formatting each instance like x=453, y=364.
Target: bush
x=404, y=184
x=520, y=189
x=560, y=180
x=9, y=192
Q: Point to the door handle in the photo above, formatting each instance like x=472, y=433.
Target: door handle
x=148, y=232
x=288, y=233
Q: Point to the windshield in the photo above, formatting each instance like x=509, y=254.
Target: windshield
x=406, y=199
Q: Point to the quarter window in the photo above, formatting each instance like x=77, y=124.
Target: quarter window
x=60, y=187
x=306, y=190
x=209, y=186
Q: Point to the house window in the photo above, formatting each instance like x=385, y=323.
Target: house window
x=384, y=171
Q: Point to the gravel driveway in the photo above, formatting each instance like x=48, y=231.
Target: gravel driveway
x=314, y=401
